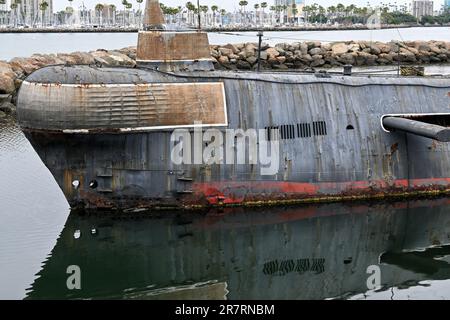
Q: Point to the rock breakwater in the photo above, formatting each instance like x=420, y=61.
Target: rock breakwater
x=244, y=56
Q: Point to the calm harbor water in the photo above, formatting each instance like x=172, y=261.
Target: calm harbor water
x=307, y=252
x=23, y=45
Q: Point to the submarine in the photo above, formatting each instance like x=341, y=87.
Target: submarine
x=175, y=133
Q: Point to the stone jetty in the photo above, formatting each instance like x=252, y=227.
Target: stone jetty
x=244, y=56
x=304, y=55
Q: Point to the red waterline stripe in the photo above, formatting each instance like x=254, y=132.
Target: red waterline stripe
x=235, y=192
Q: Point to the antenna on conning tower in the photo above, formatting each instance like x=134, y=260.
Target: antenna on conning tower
x=199, y=16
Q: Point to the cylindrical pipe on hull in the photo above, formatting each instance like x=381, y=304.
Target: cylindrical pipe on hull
x=419, y=128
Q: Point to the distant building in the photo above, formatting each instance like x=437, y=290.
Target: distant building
x=422, y=8
x=4, y=14
x=447, y=4
x=289, y=13
x=48, y=14
x=108, y=14
x=29, y=13
x=289, y=2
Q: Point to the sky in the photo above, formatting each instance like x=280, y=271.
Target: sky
x=230, y=5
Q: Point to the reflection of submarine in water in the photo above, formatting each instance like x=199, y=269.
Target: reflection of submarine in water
x=311, y=252
x=105, y=133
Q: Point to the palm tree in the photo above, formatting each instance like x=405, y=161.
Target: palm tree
x=43, y=7
x=274, y=10
x=139, y=4
x=256, y=6
x=306, y=12
x=70, y=1
x=17, y=14
x=263, y=7
x=191, y=10
x=285, y=7
x=128, y=7
x=243, y=5
x=171, y=12
x=214, y=9
x=331, y=11
x=223, y=12
x=349, y=10
x=322, y=12
x=204, y=9
x=69, y=12
x=14, y=13
x=72, y=10
x=139, y=10
x=124, y=3
x=294, y=11
x=352, y=8
x=279, y=9
x=340, y=8
x=112, y=10
x=99, y=8
x=175, y=13
x=3, y=2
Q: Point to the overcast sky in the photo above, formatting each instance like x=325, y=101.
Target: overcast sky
x=227, y=4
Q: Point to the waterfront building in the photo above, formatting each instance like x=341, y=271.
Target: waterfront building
x=48, y=14
x=290, y=12
x=447, y=5
x=422, y=8
x=107, y=15
x=28, y=13
x=292, y=9
x=4, y=14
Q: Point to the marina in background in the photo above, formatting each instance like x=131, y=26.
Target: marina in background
x=26, y=15
x=24, y=45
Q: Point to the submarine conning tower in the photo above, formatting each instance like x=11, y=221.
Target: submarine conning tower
x=171, y=50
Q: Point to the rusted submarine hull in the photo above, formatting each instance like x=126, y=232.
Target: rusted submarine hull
x=108, y=144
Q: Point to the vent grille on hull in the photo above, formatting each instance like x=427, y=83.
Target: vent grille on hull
x=300, y=130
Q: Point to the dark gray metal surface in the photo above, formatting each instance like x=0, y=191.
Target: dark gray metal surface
x=419, y=128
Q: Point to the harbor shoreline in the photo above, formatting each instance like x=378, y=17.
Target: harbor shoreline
x=213, y=29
